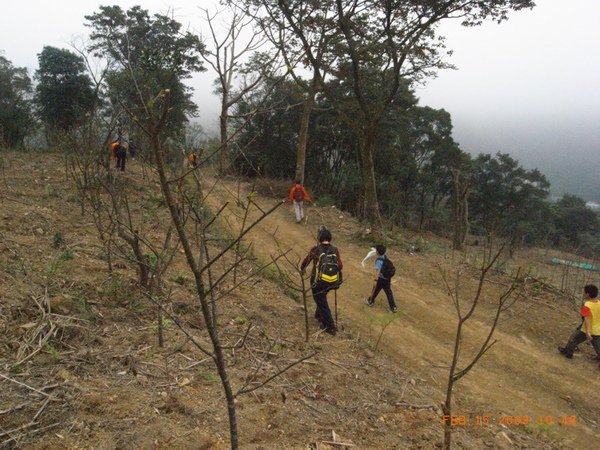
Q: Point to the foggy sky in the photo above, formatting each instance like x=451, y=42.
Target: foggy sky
x=527, y=87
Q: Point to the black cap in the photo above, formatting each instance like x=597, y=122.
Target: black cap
x=325, y=236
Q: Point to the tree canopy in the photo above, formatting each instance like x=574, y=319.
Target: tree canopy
x=417, y=152
x=16, y=118
x=371, y=46
x=147, y=55
x=507, y=199
x=575, y=224
x=64, y=93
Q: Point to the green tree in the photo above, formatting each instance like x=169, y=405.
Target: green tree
x=268, y=139
x=274, y=25
x=372, y=45
x=416, y=166
x=64, y=93
x=149, y=55
x=507, y=199
x=16, y=118
x=574, y=221
x=439, y=156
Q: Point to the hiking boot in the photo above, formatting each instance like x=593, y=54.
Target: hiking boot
x=394, y=309
x=330, y=331
x=369, y=302
x=563, y=351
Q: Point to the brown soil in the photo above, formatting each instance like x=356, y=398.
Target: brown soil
x=81, y=368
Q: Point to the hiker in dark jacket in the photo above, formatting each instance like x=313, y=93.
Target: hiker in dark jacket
x=320, y=288
x=119, y=152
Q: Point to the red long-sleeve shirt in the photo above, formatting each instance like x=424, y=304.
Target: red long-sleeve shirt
x=305, y=195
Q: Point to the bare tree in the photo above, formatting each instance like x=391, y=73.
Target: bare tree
x=192, y=215
x=122, y=231
x=464, y=311
x=274, y=26
x=188, y=210
x=239, y=66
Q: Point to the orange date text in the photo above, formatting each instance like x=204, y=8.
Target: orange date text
x=486, y=419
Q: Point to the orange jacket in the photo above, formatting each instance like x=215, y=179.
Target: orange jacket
x=113, y=148
x=304, y=194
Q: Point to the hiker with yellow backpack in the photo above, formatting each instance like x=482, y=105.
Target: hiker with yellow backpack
x=192, y=160
x=326, y=275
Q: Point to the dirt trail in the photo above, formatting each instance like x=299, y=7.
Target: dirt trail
x=522, y=375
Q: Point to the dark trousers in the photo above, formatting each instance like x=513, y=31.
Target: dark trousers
x=323, y=313
x=121, y=162
x=121, y=155
x=387, y=288
x=578, y=337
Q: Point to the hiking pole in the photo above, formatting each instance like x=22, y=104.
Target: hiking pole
x=372, y=293
x=335, y=297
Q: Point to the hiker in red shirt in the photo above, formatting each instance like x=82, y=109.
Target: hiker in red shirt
x=297, y=196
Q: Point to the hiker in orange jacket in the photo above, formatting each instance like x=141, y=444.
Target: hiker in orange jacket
x=297, y=196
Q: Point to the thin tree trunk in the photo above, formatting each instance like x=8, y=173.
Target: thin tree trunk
x=224, y=130
x=211, y=326
x=303, y=133
x=369, y=181
x=447, y=405
x=461, y=211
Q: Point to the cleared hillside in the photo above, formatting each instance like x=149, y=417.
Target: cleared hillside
x=81, y=367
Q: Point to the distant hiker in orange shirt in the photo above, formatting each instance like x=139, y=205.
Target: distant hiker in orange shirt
x=297, y=196
x=193, y=160
x=119, y=152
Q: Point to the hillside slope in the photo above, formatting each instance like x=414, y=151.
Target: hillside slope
x=85, y=342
